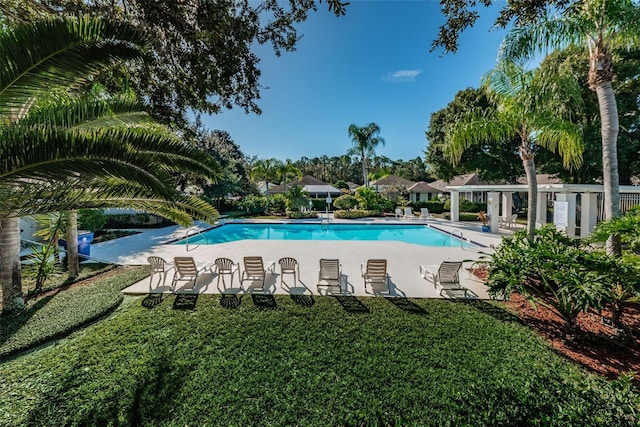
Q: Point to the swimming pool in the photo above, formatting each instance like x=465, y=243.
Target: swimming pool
x=416, y=234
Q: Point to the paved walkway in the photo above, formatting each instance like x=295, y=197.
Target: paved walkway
x=404, y=260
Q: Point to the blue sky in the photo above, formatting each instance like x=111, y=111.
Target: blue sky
x=372, y=65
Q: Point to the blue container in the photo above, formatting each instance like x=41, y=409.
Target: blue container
x=84, y=243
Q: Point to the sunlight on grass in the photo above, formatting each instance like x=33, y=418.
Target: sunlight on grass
x=306, y=361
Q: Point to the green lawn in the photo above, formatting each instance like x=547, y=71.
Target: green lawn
x=306, y=361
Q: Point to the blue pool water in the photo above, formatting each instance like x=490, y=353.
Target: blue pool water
x=417, y=234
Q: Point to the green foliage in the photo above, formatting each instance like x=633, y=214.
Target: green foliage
x=91, y=219
x=627, y=226
x=434, y=206
x=59, y=314
x=346, y=202
x=356, y=213
x=296, y=198
x=341, y=184
x=278, y=203
x=462, y=216
x=368, y=199
x=556, y=271
x=44, y=257
x=253, y=204
x=464, y=205
x=301, y=215
x=129, y=368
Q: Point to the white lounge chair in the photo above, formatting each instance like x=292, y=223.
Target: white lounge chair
x=375, y=274
x=254, y=270
x=399, y=213
x=330, y=273
x=187, y=271
x=408, y=213
x=445, y=276
x=424, y=213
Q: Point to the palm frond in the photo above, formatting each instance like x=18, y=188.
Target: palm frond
x=59, y=53
x=563, y=137
x=554, y=32
x=475, y=128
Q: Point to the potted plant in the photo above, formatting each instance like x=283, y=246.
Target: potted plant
x=484, y=218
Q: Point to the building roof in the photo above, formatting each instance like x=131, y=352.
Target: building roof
x=466, y=179
x=392, y=180
x=423, y=187
x=309, y=184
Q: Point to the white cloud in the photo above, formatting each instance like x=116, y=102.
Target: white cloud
x=403, y=75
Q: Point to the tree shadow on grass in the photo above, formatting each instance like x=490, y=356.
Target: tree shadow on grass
x=152, y=301
x=492, y=310
x=264, y=301
x=230, y=301
x=154, y=388
x=352, y=304
x=185, y=302
x=405, y=305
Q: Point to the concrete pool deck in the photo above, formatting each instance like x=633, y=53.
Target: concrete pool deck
x=403, y=260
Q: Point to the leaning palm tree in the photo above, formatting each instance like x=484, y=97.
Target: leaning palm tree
x=46, y=166
x=600, y=26
x=365, y=139
x=535, y=106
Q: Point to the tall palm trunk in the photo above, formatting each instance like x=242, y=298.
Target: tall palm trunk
x=72, y=244
x=609, y=129
x=528, y=162
x=365, y=172
x=10, y=269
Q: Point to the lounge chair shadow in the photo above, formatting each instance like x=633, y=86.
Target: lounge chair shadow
x=152, y=300
x=300, y=294
x=264, y=301
x=351, y=304
x=404, y=304
x=230, y=301
x=185, y=301
x=492, y=310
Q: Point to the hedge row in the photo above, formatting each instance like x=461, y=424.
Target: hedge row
x=355, y=213
x=58, y=315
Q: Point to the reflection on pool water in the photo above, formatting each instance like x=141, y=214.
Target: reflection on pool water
x=416, y=234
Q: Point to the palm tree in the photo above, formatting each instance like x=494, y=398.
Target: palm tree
x=45, y=166
x=285, y=171
x=532, y=105
x=599, y=25
x=365, y=140
x=265, y=169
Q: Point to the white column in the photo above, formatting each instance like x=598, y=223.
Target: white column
x=455, y=206
x=589, y=215
x=570, y=227
x=541, y=214
x=507, y=204
x=493, y=208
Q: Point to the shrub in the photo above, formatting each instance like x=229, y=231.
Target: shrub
x=462, y=216
x=91, y=219
x=345, y=202
x=354, y=214
x=278, y=203
x=253, y=204
x=553, y=270
x=434, y=206
x=300, y=215
x=370, y=200
x=319, y=204
x=463, y=206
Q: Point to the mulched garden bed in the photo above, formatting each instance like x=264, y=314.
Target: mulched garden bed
x=594, y=345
